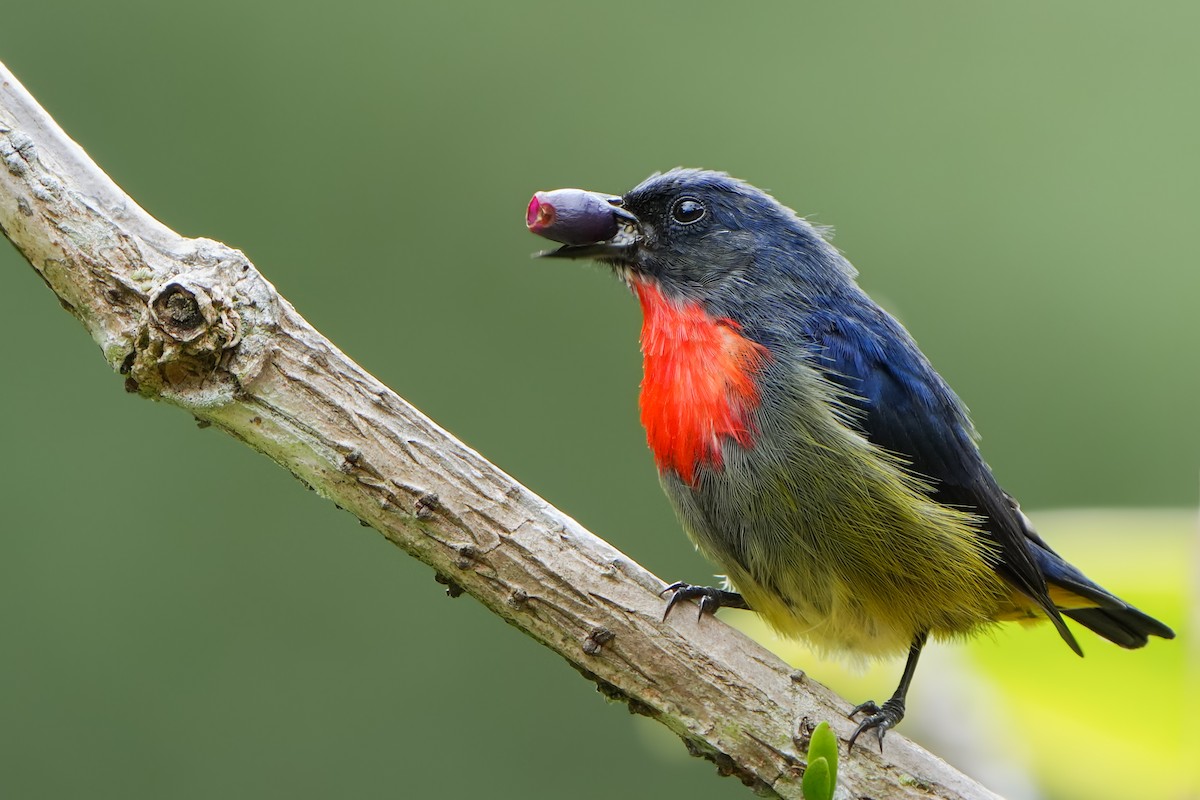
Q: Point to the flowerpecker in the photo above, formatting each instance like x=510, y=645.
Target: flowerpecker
x=806, y=443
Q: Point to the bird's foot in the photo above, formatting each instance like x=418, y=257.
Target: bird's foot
x=878, y=719
x=710, y=598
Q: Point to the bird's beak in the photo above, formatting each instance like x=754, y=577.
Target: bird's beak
x=588, y=224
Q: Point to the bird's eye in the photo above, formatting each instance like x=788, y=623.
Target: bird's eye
x=687, y=210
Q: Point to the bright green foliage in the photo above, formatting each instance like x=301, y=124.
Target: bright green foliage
x=816, y=784
x=820, y=777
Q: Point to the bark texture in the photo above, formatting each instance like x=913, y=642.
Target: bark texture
x=193, y=323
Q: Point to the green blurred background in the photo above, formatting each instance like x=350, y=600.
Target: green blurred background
x=1017, y=181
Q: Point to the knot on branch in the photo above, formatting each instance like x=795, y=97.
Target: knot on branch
x=193, y=345
x=184, y=312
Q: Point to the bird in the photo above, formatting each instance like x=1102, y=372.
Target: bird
x=807, y=445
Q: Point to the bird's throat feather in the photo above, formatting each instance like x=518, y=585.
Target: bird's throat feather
x=699, y=382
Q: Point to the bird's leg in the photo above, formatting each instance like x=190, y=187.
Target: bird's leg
x=881, y=719
x=710, y=598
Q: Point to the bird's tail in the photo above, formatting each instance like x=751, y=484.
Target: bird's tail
x=1094, y=607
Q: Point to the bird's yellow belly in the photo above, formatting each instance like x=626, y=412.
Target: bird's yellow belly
x=843, y=617
x=858, y=564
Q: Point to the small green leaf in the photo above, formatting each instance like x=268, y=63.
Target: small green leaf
x=824, y=744
x=815, y=784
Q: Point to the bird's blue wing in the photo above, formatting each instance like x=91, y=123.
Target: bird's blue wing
x=905, y=407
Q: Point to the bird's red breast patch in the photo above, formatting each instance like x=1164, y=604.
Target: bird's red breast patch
x=698, y=382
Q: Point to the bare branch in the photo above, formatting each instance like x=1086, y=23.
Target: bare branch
x=191, y=322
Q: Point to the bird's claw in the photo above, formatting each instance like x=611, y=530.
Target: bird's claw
x=878, y=719
x=710, y=598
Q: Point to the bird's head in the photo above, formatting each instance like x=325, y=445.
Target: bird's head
x=695, y=234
